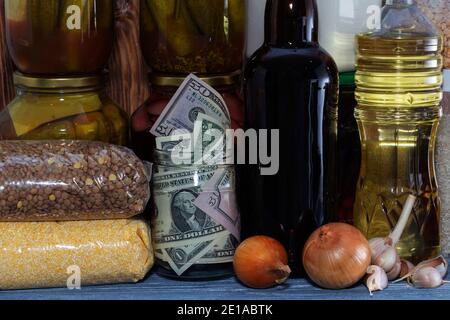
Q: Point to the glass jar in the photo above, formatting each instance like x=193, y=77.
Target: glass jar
x=193, y=36
x=349, y=146
x=162, y=90
x=63, y=108
x=59, y=37
x=190, y=240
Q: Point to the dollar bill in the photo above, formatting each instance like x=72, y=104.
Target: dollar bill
x=181, y=259
x=218, y=200
x=222, y=252
x=194, y=97
x=173, y=181
x=177, y=149
x=209, y=140
x=183, y=233
x=169, y=143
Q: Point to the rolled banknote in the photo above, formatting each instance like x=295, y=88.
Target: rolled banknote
x=192, y=98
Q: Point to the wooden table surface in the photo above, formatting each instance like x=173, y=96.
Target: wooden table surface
x=157, y=288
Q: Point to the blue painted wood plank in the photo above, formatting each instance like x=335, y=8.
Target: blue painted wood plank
x=157, y=288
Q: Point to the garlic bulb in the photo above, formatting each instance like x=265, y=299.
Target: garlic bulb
x=384, y=253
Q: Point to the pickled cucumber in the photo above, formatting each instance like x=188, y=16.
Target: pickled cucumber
x=208, y=16
x=175, y=24
x=30, y=113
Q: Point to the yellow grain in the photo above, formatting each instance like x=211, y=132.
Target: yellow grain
x=38, y=254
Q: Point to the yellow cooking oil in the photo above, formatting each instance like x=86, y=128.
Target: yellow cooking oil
x=399, y=78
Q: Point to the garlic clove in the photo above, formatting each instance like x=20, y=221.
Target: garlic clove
x=406, y=268
x=394, y=273
x=387, y=259
x=376, y=279
x=427, y=277
x=439, y=263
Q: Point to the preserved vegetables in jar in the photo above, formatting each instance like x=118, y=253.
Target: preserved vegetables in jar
x=59, y=37
x=193, y=36
x=63, y=108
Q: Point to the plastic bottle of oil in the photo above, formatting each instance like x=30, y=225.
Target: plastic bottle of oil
x=399, y=106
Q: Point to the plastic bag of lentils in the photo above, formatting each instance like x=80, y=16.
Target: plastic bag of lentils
x=72, y=180
x=438, y=11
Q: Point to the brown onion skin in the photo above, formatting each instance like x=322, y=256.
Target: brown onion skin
x=336, y=256
x=255, y=260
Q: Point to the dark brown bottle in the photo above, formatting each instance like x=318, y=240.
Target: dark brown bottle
x=291, y=84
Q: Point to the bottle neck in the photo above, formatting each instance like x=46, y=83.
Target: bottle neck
x=291, y=23
x=399, y=2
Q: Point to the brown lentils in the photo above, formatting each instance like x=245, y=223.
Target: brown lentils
x=77, y=180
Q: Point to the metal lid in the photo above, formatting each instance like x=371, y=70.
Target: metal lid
x=168, y=80
x=33, y=82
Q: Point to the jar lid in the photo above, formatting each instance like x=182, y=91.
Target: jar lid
x=168, y=80
x=57, y=83
x=347, y=78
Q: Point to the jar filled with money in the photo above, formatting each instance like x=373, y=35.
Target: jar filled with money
x=182, y=129
x=167, y=90
x=63, y=108
x=201, y=36
x=196, y=223
x=59, y=37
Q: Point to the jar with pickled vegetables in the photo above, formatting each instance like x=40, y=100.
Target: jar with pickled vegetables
x=63, y=108
x=162, y=90
x=193, y=36
x=59, y=37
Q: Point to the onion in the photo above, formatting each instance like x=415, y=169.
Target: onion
x=336, y=256
x=261, y=262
